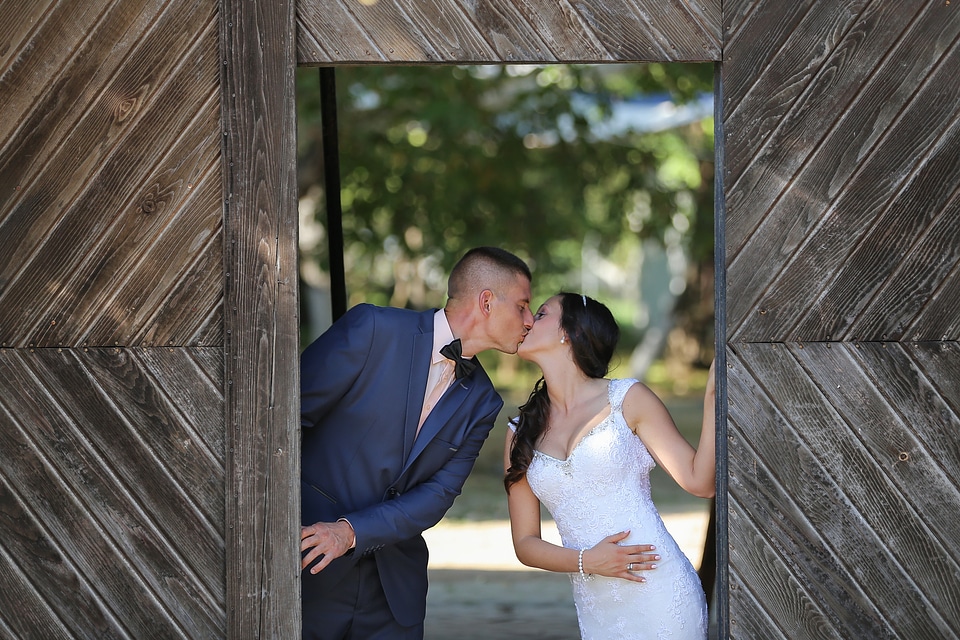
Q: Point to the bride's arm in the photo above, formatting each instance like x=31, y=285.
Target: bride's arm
x=693, y=469
x=606, y=558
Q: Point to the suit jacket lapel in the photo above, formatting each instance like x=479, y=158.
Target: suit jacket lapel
x=447, y=406
x=417, y=381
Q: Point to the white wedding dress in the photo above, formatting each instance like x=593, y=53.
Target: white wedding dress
x=603, y=488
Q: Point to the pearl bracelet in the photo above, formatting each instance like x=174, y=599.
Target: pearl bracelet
x=583, y=575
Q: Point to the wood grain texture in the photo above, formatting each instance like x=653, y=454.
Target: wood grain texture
x=840, y=139
x=784, y=490
x=261, y=339
x=38, y=39
x=112, y=489
x=34, y=570
x=506, y=31
x=870, y=139
x=159, y=490
x=106, y=219
x=93, y=489
x=869, y=493
x=782, y=597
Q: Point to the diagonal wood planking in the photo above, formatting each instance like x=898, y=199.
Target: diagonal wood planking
x=842, y=240
x=94, y=488
x=841, y=221
x=829, y=460
x=847, y=183
x=112, y=481
x=506, y=31
x=113, y=180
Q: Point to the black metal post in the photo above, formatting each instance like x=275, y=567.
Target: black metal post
x=331, y=178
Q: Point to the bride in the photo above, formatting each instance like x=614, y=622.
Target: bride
x=583, y=446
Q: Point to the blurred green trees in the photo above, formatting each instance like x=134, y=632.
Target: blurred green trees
x=435, y=160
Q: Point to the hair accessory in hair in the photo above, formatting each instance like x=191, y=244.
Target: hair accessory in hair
x=584, y=300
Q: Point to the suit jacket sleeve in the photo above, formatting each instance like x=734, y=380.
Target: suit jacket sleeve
x=425, y=503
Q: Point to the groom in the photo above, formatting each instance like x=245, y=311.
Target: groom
x=393, y=419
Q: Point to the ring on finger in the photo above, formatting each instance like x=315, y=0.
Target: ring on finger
x=630, y=567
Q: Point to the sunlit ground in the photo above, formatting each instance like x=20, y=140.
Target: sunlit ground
x=486, y=545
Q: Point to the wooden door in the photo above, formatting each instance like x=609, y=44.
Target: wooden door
x=841, y=132
x=148, y=301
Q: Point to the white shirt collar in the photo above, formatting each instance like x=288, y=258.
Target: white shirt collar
x=442, y=336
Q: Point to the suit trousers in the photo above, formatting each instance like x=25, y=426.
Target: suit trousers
x=356, y=609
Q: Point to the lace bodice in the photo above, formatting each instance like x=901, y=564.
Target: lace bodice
x=602, y=488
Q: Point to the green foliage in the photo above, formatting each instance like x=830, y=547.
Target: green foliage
x=435, y=160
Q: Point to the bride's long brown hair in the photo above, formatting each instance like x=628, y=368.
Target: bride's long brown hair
x=593, y=334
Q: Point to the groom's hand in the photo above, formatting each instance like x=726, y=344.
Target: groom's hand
x=325, y=541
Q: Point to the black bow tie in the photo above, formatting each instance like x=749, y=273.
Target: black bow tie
x=454, y=352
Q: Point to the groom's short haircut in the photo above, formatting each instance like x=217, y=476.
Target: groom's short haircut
x=484, y=268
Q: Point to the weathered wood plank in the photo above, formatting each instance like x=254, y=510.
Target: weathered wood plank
x=941, y=318
x=41, y=593
x=747, y=618
x=209, y=332
x=163, y=429
x=897, y=477
x=448, y=31
x=505, y=31
x=940, y=362
x=882, y=538
x=563, y=31
x=917, y=386
x=916, y=433
x=21, y=23
x=156, y=273
x=98, y=403
x=782, y=596
x=147, y=310
x=837, y=283
x=767, y=165
x=685, y=31
x=91, y=517
x=195, y=388
x=63, y=129
x=210, y=361
x=261, y=318
x=818, y=206
x=80, y=253
x=918, y=257
x=789, y=495
x=119, y=291
x=773, y=93
x=54, y=31
x=636, y=30
x=767, y=57
x=332, y=31
x=196, y=302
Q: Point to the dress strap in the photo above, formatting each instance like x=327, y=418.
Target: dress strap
x=618, y=391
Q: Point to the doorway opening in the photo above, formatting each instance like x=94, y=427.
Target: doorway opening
x=600, y=176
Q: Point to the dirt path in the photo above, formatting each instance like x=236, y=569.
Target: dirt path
x=479, y=591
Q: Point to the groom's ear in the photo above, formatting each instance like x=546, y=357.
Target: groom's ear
x=485, y=299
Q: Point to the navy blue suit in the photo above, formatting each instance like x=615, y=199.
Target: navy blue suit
x=362, y=389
